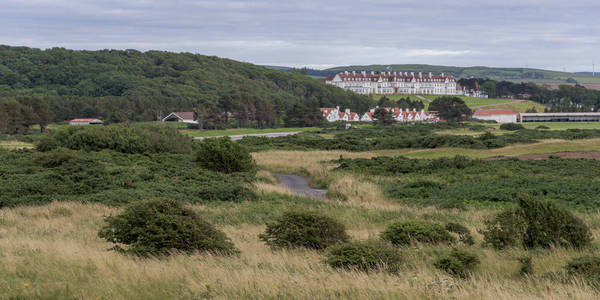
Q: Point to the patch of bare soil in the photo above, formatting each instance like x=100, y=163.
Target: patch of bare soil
x=561, y=154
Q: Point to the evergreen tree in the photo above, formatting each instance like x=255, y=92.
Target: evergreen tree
x=450, y=108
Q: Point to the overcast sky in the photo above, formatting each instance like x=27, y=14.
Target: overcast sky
x=322, y=33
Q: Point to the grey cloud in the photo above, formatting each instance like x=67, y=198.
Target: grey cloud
x=549, y=34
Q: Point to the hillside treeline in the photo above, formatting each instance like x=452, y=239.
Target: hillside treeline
x=566, y=98
x=141, y=86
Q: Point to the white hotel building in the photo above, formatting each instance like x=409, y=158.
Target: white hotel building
x=394, y=83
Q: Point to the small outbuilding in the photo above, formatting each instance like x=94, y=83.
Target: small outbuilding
x=498, y=115
x=89, y=121
x=185, y=117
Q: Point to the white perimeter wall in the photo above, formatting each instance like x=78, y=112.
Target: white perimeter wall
x=499, y=118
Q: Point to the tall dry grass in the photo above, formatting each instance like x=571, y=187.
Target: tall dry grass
x=52, y=252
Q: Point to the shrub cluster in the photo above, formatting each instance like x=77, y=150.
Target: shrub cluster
x=407, y=232
x=157, y=227
x=304, y=229
x=224, y=155
x=386, y=165
x=125, y=138
x=453, y=182
x=536, y=223
x=511, y=126
x=31, y=177
x=417, y=136
x=457, y=263
x=364, y=256
x=587, y=267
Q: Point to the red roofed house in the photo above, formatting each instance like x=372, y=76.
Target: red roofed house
x=89, y=121
x=185, y=117
x=498, y=115
x=404, y=116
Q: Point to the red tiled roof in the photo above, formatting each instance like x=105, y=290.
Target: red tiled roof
x=489, y=112
x=85, y=120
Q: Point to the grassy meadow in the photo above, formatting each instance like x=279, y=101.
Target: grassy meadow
x=477, y=103
x=52, y=250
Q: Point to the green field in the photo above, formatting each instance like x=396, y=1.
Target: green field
x=474, y=103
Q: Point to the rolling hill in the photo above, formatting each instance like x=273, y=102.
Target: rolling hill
x=142, y=85
x=510, y=74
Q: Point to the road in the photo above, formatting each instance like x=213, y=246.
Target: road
x=299, y=185
x=241, y=136
x=423, y=98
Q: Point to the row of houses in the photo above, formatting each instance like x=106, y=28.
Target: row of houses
x=394, y=83
x=336, y=114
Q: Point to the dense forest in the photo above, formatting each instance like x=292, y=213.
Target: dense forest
x=565, y=99
x=142, y=86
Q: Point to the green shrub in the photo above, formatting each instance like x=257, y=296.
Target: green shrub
x=542, y=127
x=457, y=263
x=504, y=230
x=464, y=235
x=364, y=256
x=478, y=127
x=33, y=178
x=224, y=155
x=511, y=126
x=157, y=227
x=125, y=138
x=304, y=229
x=404, y=233
x=526, y=265
x=587, y=267
x=536, y=223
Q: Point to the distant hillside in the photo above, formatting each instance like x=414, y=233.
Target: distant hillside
x=305, y=71
x=510, y=74
x=141, y=85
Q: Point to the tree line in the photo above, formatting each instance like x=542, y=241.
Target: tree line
x=131, y=85
x=18, y=114
x=566, y=98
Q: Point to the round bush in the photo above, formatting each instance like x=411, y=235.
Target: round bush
x=364, y=256
x=304, y=229
x=404, y=233
x=542, y=127
x=511, y=126
x=158, y=227
x=587, y=267
x=457, y=263
x=536, y=223
x=224, y=155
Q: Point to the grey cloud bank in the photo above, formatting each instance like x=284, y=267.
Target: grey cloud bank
x=544, y=34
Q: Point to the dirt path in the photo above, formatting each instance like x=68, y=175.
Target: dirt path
x=424, y=99
x=561, y=154
x=299, y=185
x=241, y=136
x=497, y=104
